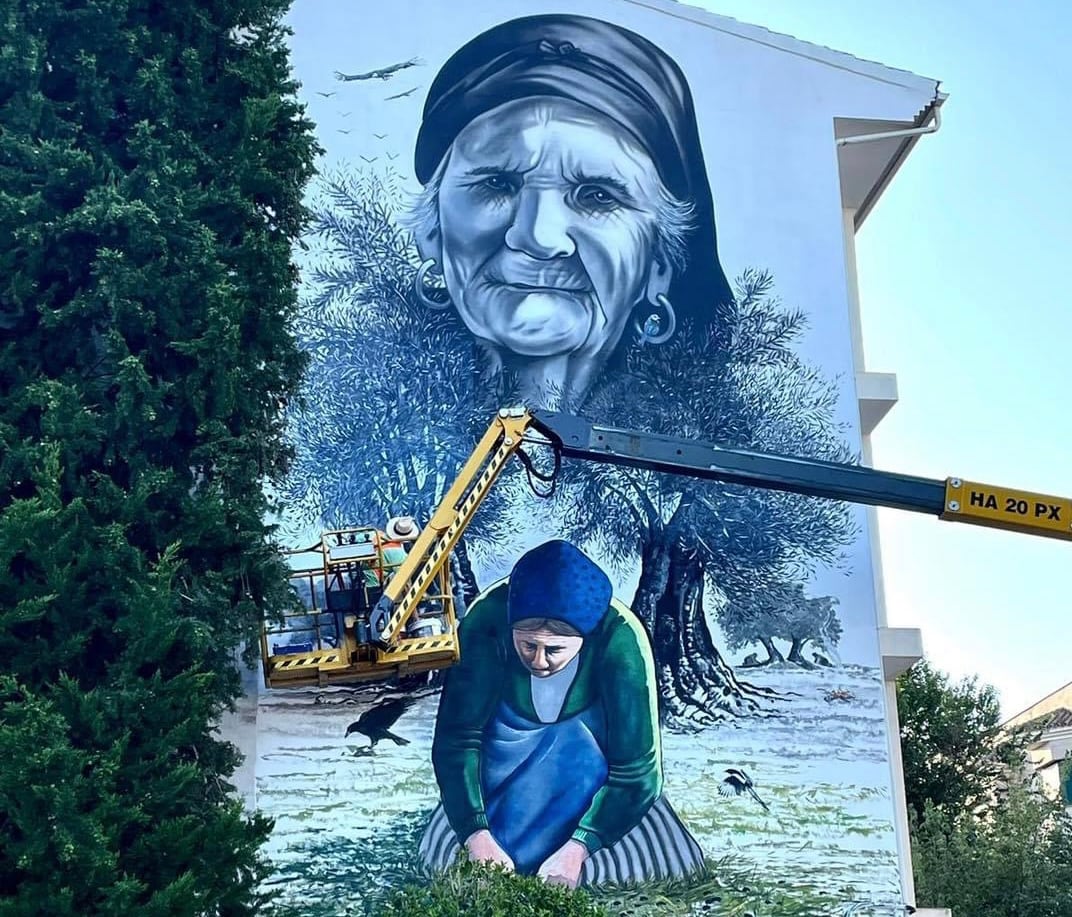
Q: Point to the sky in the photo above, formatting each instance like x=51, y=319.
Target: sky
x=965, y=271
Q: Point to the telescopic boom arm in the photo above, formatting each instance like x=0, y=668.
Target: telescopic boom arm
x=431, y=551
x=953, y=499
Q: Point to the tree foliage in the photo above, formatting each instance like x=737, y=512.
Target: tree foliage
x=393, y=399
x=985, y=840
x=152, y=162
x=1016, y=862
x=397, y=395
x=739, y=383
x=781, y=612
x=956, y=757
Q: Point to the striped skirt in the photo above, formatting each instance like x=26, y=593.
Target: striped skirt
x=659, y=847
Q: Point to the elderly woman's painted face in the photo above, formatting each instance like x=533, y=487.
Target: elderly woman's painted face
x=548, y=230
x=543, y=653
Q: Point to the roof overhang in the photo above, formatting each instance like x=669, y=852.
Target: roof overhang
x=867, y=168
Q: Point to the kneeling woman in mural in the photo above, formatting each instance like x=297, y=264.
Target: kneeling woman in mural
x=547, y=749
x=566, y=210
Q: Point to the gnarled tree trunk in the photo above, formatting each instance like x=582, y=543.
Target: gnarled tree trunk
x=773, y=653
x=795, y=652
x=654, y=575
x=696, y=686
x=465, y=586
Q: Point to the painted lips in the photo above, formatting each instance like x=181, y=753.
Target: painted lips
x=569, y=287
x=531, y=276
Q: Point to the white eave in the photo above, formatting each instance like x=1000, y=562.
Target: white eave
x=839, y=59
x=866, y=168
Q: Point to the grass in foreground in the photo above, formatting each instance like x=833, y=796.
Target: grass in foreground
x=481, y=891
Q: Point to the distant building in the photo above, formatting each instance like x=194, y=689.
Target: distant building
x=1050, y=754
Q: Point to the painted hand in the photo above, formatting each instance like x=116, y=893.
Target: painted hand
x=563, y=867
x=483, y=848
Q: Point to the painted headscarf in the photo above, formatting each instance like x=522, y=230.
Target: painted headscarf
x=557, y=580
x=614, y=72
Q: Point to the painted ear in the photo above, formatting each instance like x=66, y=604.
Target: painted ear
x=660, y=276
x=423, y=222
x=429, y=241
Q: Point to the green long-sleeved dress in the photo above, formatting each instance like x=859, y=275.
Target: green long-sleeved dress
x=592, y=773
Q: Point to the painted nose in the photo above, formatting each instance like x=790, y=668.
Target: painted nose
x=539, y=660
x=541, y=226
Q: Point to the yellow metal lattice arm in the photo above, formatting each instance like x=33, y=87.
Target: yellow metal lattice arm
x=437, y=539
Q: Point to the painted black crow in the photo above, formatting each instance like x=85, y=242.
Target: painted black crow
x=377, y=721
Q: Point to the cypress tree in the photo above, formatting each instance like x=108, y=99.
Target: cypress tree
x=152, y=161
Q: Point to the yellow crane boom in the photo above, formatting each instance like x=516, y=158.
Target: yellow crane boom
x=371, y=605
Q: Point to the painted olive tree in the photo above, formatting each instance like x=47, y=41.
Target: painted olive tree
x=396, y=398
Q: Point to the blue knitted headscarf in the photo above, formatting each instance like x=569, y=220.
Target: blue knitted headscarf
x=558, y=581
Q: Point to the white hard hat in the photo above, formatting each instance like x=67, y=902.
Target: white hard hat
x=401, y=528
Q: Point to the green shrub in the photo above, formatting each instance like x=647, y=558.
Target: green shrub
x=1014, y=862
x=475, y=890
x=724, y=888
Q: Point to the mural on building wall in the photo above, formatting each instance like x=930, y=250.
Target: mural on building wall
x=655, y=696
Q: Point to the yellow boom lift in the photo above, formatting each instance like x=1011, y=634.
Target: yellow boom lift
x=376, y=610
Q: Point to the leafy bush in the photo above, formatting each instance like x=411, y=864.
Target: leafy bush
x=476, y=890
x=1015, y=862
x=724, y=888
x=957, y=757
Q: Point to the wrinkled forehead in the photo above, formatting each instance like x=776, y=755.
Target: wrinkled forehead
x=552, y=136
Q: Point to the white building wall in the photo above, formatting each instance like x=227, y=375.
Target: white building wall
x=893, y=728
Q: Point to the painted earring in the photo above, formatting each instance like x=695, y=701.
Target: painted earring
x=656, y=328
x=433, y=297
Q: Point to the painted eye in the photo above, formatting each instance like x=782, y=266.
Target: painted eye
x=596, y=197
x=498, y=184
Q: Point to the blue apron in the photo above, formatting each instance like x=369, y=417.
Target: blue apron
x=539, y=779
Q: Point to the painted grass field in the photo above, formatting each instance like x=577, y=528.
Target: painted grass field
x=347, y=826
